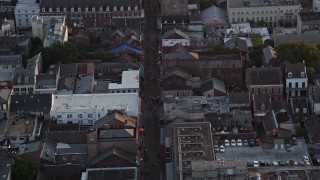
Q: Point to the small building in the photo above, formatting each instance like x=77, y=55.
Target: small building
x=212, y=87
x=129, y=83
x=296, y=81
x=261, y=105
x=214, y=18
x=23, y=81
x=175, y=36
x=10, y=62
x=4, y=98
x=111, y=173
x=269, y=56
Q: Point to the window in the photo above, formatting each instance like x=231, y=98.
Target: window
x=72, y=9
x=59, y=116
x=258, y=90
x=90, y=122
x=121, y=8
x=303, y=84
x=107, y=9
x=30, y=89
x=93, y=9
x=64, y=9
x=266, y=90
x=262, y=12
x=90, y=115
x=16, y=89
x=100, y=8
x=50, y=9
x=129, y=8
x=64, y=158
x=279, y=90
x=115, y=8
x=123, y=91
x=26, y=79
x=58, y=9
x=79, y=115
x=79, y=9
x=26, y=15
x=297, y=84
x=252, y=90
x=86, y=9
x=233, y=13
x=129, y=91
x=272, y=90
x=73, y=158
x=23, y=89
x=69, y=115
x=98, y=115
x=290, y=84
x=136, y=8
x=43, y=10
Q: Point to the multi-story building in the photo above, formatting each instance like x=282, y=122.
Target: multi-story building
x=266, y=80
x=24, y=10
x=129, y=83
x=296, y=81
x=308, y=21
x=274, y=12
x=23, y=81
x=86, y=109
x=316, y=5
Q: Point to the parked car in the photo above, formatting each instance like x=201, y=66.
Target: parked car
x=233, y=142
x=216, y=148
x=220, y=142
x=239, y=142
x=275, y=163
x=288, y=147
x=250, y=164
x=257, y=142
x=281, y=163
x=294, y=141
x=251, y=143
x=306, y=160
x=222, y=149
x=226, y=143
x=245, y=142
x=256, y=164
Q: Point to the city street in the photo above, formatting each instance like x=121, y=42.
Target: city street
x=151, y=103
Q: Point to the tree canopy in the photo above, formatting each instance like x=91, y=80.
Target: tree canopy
x=298, y=51
x=23, y=169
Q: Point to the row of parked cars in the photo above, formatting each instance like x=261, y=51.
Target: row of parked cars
x=280, y=163
x=240, y=142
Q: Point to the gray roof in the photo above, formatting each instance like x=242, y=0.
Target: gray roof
x=270, y=121
x=213, y=83
x=178, y=72
x=177, y=32
x=115, y=115
x=45, y=79
x=64, y=149
x=176, y=82
x=114, y=151
x=238, y=98
x=89, y=3
x=262, y=99
x=312, y=124
x=264, y=76
x=178, y=55
x=280, y=39
x=112, y=65
x=10, y=59
x=261, y=3
x=113, y=173
x=117, y=133
x=48, y=150
x=5, y=76
x=214, y=14
x=32, y=62
x=20, y=75
x=68, y=69
x=29, y=147
x=30, y=102
x=296, y=69
x=281, y=106
x=315, y=93
x=269, y=53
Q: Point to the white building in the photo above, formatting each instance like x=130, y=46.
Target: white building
x=85, y=109
x=263, y=11
x=129, y=83
x=50, y=29
x=23, y=12
x=296, y=81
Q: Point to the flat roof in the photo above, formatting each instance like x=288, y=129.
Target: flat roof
x=20, y=125
x=111, y=101
x=110, y=173
x=196, y=104
x=261, y=3
x=84, y=84
x=129, y=80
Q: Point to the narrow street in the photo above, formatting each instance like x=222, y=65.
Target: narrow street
x=151, y=102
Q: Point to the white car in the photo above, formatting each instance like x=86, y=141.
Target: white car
x=239, y=142
x=222, y=149
x=306, y=160
x=226, y=143
x=256, y=164
x=233, y=142
x=216, y=148
x=275, y=163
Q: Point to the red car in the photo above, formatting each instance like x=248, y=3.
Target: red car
x=257, y=142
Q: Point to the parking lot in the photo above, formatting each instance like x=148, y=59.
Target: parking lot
x=258, y=153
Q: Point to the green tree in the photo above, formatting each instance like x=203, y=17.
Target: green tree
x=255, y=56
x=23, y=169
x=298, y=51
x=102, y=54
x=310, y=73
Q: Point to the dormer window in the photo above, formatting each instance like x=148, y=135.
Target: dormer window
x=86, y=9
x=79, y=9
x=72, y=9
x=129, y=8
x=108, y=8
x=93, y=9
x=64, y=9
x=26, y=79
x=58, y=9
x=289, y=74
x=50, y=9
x=136, y=8
x=121, y=8
x=19, y=79
x=100, y=8
x=43, y=9
x=115, y=8
x=302, y=74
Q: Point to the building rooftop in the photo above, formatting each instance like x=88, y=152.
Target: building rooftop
x=316, y=93
x=27, y=4
x=10, y=59
x=6, y=164
x=120, y=101
x=29, y=147
x=129, y=80
x=196, y=105
x=30, y=103
x=238, y=98
x=4, y=95
x=45, y=79
x=67, y=149
x=110, y=173
x=5, y=76
x=295, y=69
x=83, y=84
x=23, y=76
x=261, y=3
x=214, y=14
x=309, y=16
x=192, y=142
x=264, y=76
x=20, y=125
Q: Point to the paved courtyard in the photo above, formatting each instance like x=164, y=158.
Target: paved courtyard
x=258, y=153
